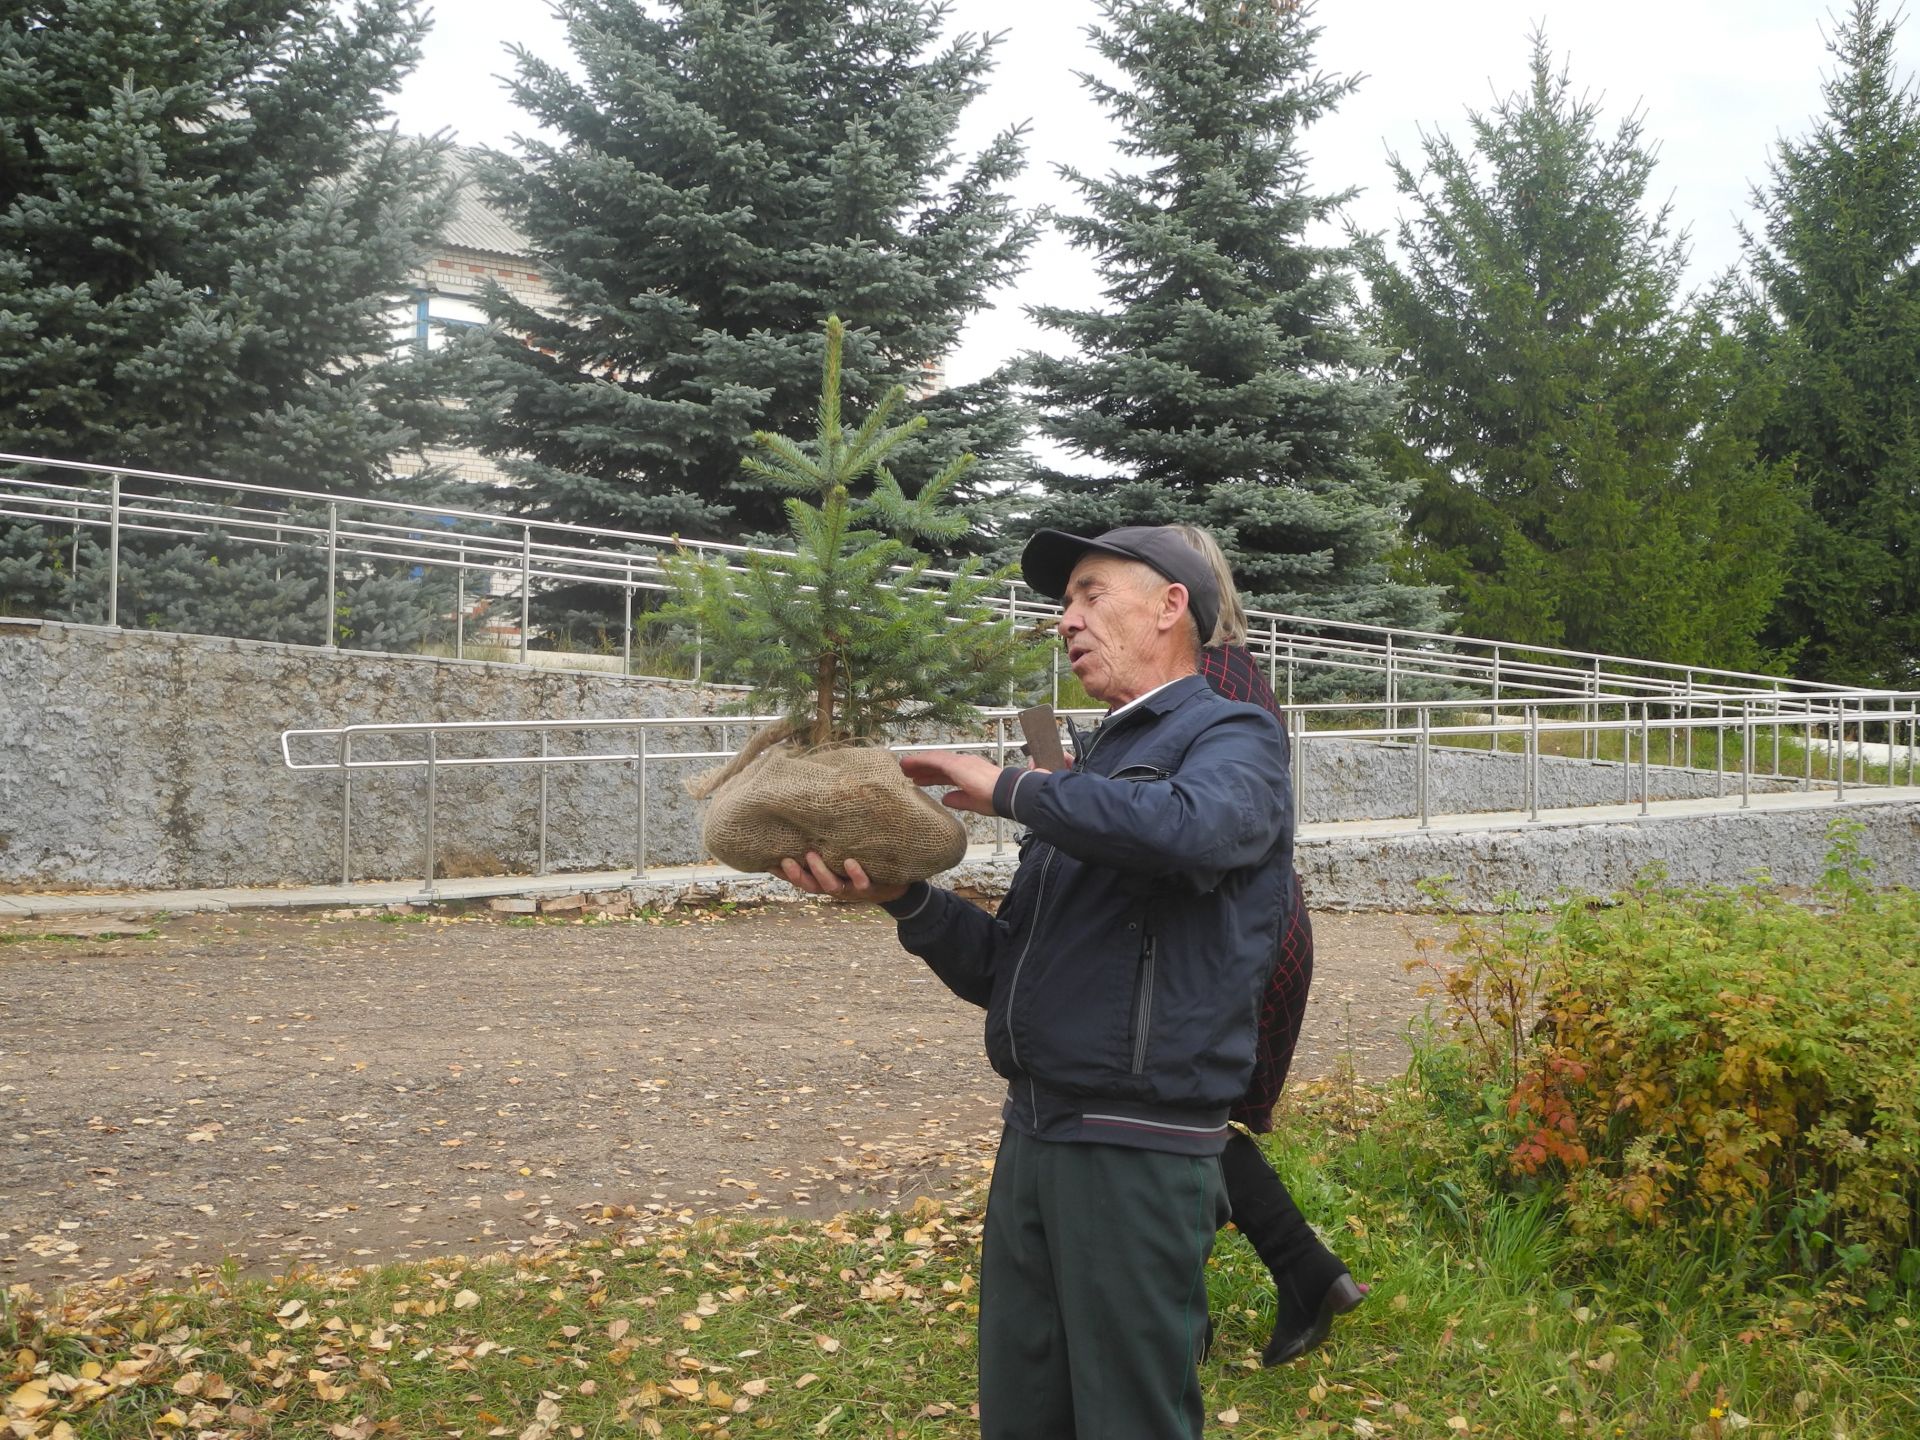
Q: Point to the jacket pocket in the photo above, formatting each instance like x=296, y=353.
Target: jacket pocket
x=1142, y=1023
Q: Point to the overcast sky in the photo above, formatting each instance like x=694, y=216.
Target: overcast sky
x=1719, y=81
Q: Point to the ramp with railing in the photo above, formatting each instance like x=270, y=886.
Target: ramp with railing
x=1422, y=699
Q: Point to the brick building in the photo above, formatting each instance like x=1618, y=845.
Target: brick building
x=477, y=245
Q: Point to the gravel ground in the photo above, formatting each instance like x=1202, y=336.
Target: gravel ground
x=278, y=1089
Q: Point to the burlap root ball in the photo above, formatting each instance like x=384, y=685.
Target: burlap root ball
x=848, y=801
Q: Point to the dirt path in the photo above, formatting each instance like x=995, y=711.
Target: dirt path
x=282, y=1089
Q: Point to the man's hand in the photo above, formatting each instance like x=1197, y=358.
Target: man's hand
x=972, y=777
x=816, y=879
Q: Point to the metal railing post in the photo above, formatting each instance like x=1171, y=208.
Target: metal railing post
x=1646, y=711
x=1719, y=749
x=1000, y=759
x=1298, y=735
x=1594, y=718
x=1746, y=755
x=1422, y=777
x=346, y=809
x=1626, y=751
x=540, y=856
x=526, y=588
x=1393, y=690
x=113, y=560
x=1839, y=751
x=1776, y=730
x=333, y=574
x=1053, y=674
x=1806, y=758
x=1533, y=762
x=699, y=651
x=640, y=803
x=626, y=623
x=433, y=786
x=460, y=606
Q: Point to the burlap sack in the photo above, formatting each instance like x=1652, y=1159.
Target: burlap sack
x=841, y=800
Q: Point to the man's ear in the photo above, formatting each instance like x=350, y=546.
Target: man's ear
x=1174, y=606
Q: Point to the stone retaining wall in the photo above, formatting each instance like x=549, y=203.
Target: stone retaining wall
x=130, y=759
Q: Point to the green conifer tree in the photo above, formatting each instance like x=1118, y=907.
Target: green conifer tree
x=847, y=633
x=1583, y=439
x=203, y=229
x=724, y=175
x=1835, y=314
x=1224, y=380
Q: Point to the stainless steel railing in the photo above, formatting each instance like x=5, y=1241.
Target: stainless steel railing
x=1636, y=727
x=518, y=558
x=300, y=752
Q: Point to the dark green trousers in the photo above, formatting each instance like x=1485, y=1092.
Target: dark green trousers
x=1093, y=1291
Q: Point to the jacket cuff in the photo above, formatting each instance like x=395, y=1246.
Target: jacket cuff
x=917, y=897
x=1006, y=790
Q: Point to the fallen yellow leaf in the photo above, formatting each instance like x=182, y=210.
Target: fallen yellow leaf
x=29, y=1401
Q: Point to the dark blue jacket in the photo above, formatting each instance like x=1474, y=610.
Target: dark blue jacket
x=1122, y=974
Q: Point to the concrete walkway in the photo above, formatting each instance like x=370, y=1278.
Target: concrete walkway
x=983, y=867
x=1819, y=798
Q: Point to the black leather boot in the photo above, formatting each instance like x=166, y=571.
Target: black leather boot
x=1311, y=1285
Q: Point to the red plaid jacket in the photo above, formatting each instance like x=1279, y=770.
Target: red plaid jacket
x=1232, y=670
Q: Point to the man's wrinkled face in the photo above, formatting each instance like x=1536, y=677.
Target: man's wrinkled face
x=1115, y=626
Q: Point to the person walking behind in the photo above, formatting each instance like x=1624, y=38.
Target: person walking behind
x=1120, y=978
x=1312, y=1286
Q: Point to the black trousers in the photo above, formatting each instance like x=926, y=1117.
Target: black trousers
x=1303, y=1269
x=1093, y=1291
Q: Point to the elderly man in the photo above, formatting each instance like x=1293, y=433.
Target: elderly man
x=1120, y=978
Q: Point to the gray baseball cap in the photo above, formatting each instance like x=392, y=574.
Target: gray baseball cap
x=1050, y=556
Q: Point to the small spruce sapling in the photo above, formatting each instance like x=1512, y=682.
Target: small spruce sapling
x=847, y=633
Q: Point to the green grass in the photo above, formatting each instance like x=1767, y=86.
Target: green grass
x=1701, y=749
x=863, y=1326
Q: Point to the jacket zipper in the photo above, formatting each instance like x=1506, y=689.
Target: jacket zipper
x=1039, y=911
x=1143, y=1003
x=1033, y=932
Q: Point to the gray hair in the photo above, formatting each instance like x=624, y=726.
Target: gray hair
x=1231, y=627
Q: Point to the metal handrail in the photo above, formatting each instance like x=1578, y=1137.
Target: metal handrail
x=545, y=552
x=1636, y=726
